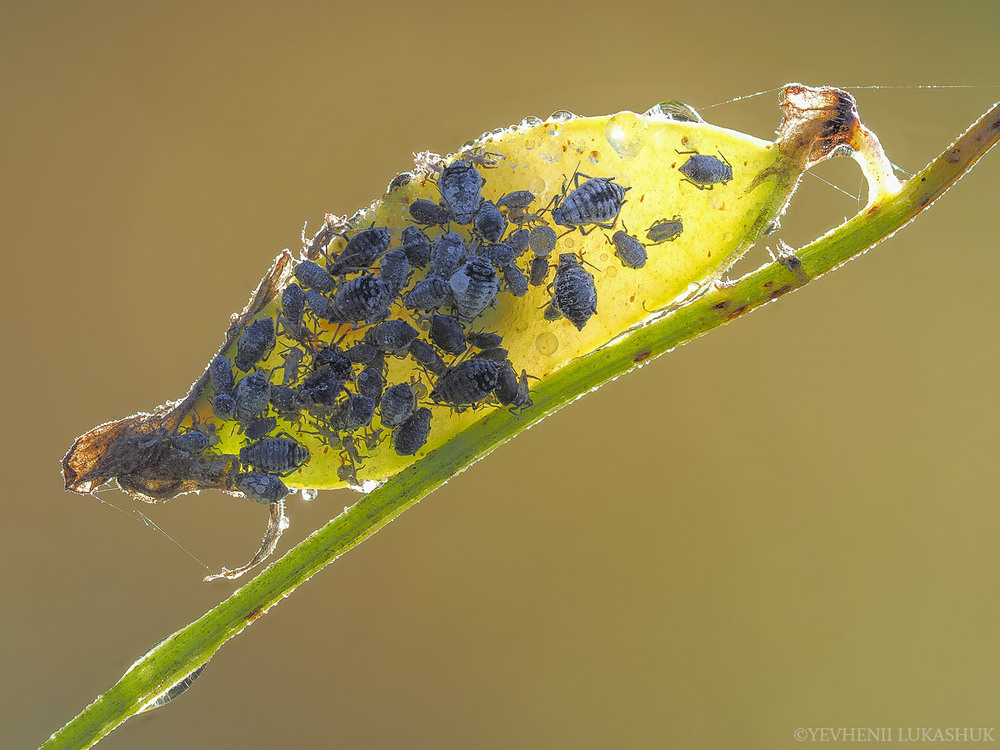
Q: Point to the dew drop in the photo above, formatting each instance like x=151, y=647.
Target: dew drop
x=568, y=242
x=530, y=121
x=536, y=185
x=546, y=343
x=674, y=110
x=625, y=133
x=604, y=257
x=310, y=495
x=610, y=271
x=562, y=115
x=529, y=145
x=595, y=156
x=550, y=149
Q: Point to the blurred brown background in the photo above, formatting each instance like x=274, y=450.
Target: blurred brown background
x=790, y=523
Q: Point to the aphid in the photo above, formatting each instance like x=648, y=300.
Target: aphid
x=277, y=455
x=394, y=270
x=447, y=334
x=260, y=427
x=597, y=201
x=292, y=364
x=398, y=402
x=474, y=286
x=489, y=222
x=460, y=185
x=494, y=354
x=318, y=303
x=362, y=251
x=255, y=344
x=629, y=250
x=506, y=388
x=516, y=199
x=705, y=171
x=264, y=488
x=467, y=383
x=365, y=298
x=373, y=438
x=519, y=241
x=392, y=336
x=427, y=294
x=539, y=270
x=543, y=240
x=285, y=399
x=224, y=406
x=357, y=412
x=517, y=282
x=253, y=395
x=410, y=436
x=523, y=398
x=575, y=294
x=485, y=339
x=417, y=246
x=330, y=356
x=221, y=373
x=665, y=230
x=500, y=254
x=192, y=442
x=371, y=383
x=447, y=254
x=424, y=211
x=426, y=355
x=361, y=353
x=551, y=312
x=313, y=276
x=293, y=304
x=323, y=387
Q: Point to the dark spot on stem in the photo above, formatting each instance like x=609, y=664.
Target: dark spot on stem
x=644, y=354
x=737, y=312
x=781, y=291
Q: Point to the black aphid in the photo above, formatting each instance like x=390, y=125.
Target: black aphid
x=426, y=355
x=597, y=201
x=485, y=339
x=323, y=387
x=542, y=240
x=357, y=412
x=474, y=286
x=665, y=230
x=221, y=374
x=447, y=254
x=261, y=427
x=417, y=247
x=277, y=455
x=285, y=399
x=394, y=270
x=519, y=242
x=410, y=436
x=192, y=442
x=362, y=251
x=460, y=185
x=365, y=298
x=447, y=333
x=391, y=336
x=371, y=383
x=293, y=304
x=318, y=303
x=705, y=171
x=331, y=357
x=224, y=406
x=489, y=222
x=551, y=312
x=253, y=396
x=427, y=294
x=575, y=294
x=255, y=343
x=398, y=402
x=313, y=276
x=539, y=270
x=500, y=254
x=494, y=354
x=424, y=211
x=629, y=250
x=516, y=281
x=361, y=353
x=506, y=388
x=467, y=383
x=257, y=485
x=516, y=199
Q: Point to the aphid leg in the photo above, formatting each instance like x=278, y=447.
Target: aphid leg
x=787, y=257
x=276, y=524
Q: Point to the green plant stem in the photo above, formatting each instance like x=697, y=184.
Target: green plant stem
x=192, y=646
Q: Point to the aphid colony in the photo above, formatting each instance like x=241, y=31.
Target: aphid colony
x=443, y=279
